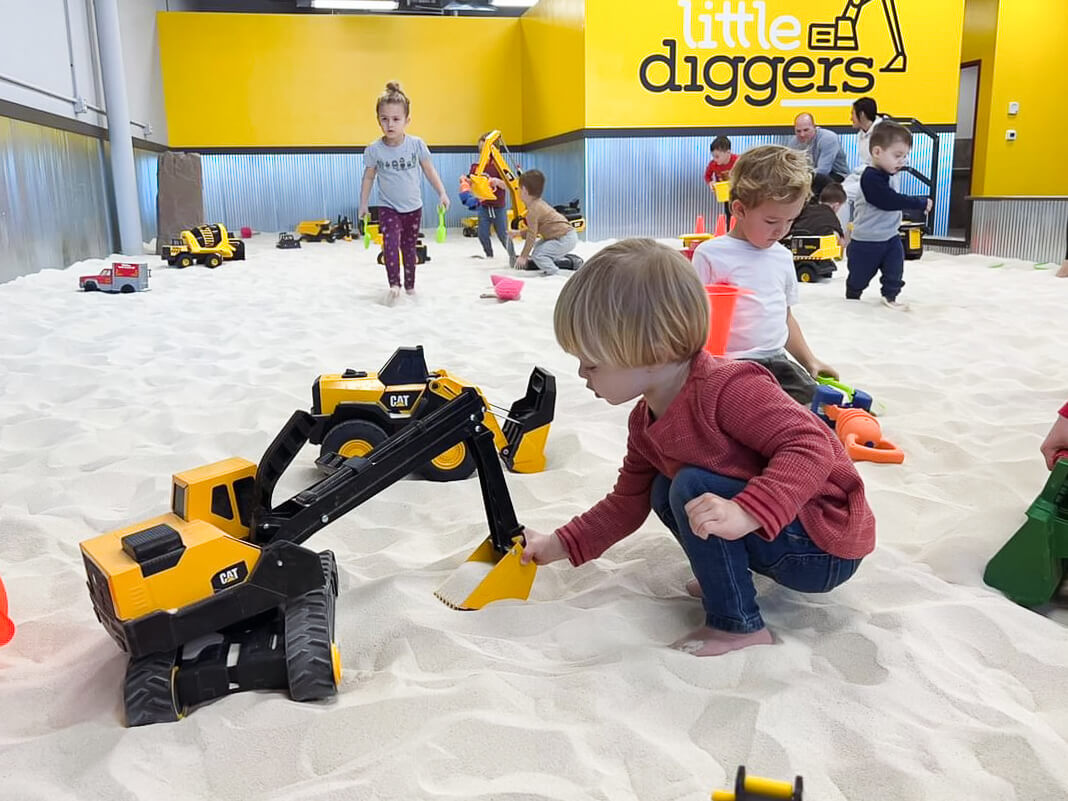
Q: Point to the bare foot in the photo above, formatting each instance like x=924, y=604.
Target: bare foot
x=713, y=642
x=391, y=296
x=1063, y=272
x=693, y=588
x=410, y=291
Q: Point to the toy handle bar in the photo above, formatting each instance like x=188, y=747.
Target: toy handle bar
x=441, y=424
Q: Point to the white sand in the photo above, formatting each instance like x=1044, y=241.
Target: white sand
x=912, y=681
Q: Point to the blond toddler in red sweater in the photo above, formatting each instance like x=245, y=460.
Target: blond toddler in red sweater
x=746, y=479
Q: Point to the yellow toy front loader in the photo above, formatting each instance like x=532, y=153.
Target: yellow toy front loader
x=357, y=410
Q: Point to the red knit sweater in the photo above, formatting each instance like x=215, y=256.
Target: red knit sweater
x=733, y=419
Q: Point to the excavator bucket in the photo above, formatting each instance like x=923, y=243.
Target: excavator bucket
x=527, y=425
x=480, y=187
x=488, y=576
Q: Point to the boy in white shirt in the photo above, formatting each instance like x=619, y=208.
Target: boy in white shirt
x=769, y=186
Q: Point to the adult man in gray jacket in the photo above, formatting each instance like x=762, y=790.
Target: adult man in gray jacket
x=823, y=149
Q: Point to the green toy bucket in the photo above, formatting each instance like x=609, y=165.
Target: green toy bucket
x=721, y=298
x=7, y=628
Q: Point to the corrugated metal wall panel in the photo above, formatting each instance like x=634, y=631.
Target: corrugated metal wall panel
x=145, y=166
x=54, y=199
x=648, y=186
x=1020, y=228
x=275, y=191
x=565, y=171
x=652, y=186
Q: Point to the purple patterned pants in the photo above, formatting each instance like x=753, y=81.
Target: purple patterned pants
x=399, y=233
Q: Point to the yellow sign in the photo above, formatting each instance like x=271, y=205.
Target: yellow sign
x=661, y=63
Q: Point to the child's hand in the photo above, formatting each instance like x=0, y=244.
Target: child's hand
x=711, y=515
x=1056, y=440
x=521, y=262
x=930, y=205
x=818, y=368
x=363, y=212
x=541, y=549
x=443, y=199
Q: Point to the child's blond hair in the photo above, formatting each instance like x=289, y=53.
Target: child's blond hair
x=770, y=172
x=634, y=304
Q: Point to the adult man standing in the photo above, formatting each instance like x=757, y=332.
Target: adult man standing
x=823, y=149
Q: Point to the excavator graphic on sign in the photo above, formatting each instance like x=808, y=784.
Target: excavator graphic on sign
x=842, y=33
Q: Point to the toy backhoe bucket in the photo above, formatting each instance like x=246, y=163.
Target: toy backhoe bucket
x=492, y=572
x=488, y=576
x=527, y=425
x=1031, y=565
x=480, y=187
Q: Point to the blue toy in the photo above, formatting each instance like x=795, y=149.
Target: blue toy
x=834, y=393
x=466, y=197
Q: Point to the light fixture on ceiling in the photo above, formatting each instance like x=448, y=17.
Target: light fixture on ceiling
x=514, y=3
x=458, y=5
x=356, y=5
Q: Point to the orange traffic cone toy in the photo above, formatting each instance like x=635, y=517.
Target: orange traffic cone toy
x=7, y=628
x=721, y=225
x=699, y=225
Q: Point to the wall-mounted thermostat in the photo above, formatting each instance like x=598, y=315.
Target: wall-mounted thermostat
x=1014, y=107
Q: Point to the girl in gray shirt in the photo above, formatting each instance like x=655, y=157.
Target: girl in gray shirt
x=395, y=161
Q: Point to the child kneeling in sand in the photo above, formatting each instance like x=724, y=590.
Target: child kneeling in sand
x=745, y=478
x=558, y=238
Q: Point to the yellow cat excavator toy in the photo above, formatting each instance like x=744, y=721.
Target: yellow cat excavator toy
x=220, y=596
x=481, y=188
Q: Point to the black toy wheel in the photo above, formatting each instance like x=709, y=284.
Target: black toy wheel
x=353, y=438
x=806, y=274
x=470, y=232
x=185, y=261
x=126, y=289
x=148, y=693
x=381, y=257
x=90, y=286
x=455, y=464
x=213, y=260
x=313, y=666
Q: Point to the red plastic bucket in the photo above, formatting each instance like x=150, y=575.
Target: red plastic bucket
x=7, y=628
x=722, y=298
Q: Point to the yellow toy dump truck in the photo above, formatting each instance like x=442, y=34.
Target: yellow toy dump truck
x=814, y=255
x=355, y=411
x=209, y=245
x=219, y=595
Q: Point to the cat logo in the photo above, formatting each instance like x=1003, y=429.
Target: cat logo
x=400, y=401
x=228, y=576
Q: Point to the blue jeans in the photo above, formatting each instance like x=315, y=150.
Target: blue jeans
x=722, y=567
x=498, y=218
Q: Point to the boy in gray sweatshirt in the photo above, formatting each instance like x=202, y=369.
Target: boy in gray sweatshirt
x=876, y=246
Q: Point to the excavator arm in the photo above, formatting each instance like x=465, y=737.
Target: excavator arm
x=480, y=185
x=442, y=424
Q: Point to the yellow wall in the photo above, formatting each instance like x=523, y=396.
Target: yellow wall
x=275, y=80
x=978, y=44
x=554, y=68
x=621, y=34
x=1030, y=65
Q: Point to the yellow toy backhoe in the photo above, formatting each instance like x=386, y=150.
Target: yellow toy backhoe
x=219, y=595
